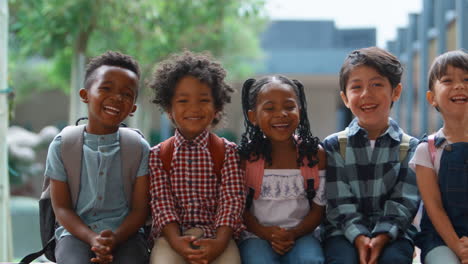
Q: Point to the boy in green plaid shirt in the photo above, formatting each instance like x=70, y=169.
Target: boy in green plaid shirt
x=372, y=194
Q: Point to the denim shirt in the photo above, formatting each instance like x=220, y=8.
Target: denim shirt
x=101, y=201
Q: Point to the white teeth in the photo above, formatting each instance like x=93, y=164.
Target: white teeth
x=368, y=107
x=459, y=99
x=280, y=125
x=193, y=118
x=112, y=110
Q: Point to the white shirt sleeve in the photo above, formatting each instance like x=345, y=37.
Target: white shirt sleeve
x=320, y=194
x=421, y=157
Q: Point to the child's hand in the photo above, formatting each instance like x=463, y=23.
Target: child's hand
x=107, y=238
x=282, y=247
x=102, y=251
x=282, y=241
x=209, y=249
x=183, y=246
x=376, y=245
x=462, y=251
x=268, y=233
x=362, y=243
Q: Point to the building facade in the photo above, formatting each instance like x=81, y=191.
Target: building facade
x=441, y=26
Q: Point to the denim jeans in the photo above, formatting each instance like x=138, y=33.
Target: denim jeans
x=306, y=249
x=338, y=250
x=71, y=250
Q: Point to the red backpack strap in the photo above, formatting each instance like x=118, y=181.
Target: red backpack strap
x=310, y=173
x=254, y=176
x=217, y=151
x=166, y=151
x=431, y=146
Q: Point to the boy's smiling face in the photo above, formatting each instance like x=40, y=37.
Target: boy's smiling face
x=192, y=107
x=110, y=98
x=369, y=96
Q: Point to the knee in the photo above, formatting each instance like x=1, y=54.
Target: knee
x=395, y=258
x=317, y=259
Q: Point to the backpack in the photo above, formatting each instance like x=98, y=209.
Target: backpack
x=432, y=147
x=215, y=147
x=404, y=144
x=254, y=172
x=71, y=154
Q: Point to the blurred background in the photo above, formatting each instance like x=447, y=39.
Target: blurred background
x=45, y=45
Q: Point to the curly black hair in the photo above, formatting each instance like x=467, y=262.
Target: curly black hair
x=110, y=58
x=199, y=65
x=254, y=144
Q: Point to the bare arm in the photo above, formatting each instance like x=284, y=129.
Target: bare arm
x=138, y=210
x=310, y=221
x=255, y=227
x=430, y=193
x=66, y=216
x=316, y=213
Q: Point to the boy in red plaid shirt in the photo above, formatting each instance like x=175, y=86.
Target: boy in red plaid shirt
x=195, y=214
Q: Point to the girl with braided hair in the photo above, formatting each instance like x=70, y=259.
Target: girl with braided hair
x=282, y=160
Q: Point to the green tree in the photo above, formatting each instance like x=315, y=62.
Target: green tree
x=147, y=29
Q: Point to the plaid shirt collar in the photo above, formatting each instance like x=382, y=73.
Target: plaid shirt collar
x=393, y=130
x=201, y=140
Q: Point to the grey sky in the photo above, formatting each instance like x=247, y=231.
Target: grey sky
x=385, y=15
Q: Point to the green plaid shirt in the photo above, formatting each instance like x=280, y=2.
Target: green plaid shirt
x=372, y=192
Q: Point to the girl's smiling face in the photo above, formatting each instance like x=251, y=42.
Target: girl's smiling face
x=450, y=92
x=276, y=111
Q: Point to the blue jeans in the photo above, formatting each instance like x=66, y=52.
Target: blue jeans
x=71, y=250
x=307, y=249
x=338, y=250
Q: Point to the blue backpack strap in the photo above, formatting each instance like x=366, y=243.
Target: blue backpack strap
x=71, y=153
x=130, y=154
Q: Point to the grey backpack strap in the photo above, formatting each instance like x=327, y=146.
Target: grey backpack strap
x=72, y=151
x=404, y=146
x=343, y=141
x=130, y=155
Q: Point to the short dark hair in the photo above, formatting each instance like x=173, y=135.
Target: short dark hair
x=110, y=58
x=456, y=58
x=254, y=144
x=381, y=60
x=203, y=67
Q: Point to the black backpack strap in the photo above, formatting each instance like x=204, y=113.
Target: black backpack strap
x=250, y=196
x=310, y=191
x=29, y=258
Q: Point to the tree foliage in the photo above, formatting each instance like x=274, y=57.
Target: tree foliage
x=149, y=30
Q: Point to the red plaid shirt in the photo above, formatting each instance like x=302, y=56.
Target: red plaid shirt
x=191, y=195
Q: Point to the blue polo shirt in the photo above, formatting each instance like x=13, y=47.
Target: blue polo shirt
x=101, y=201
